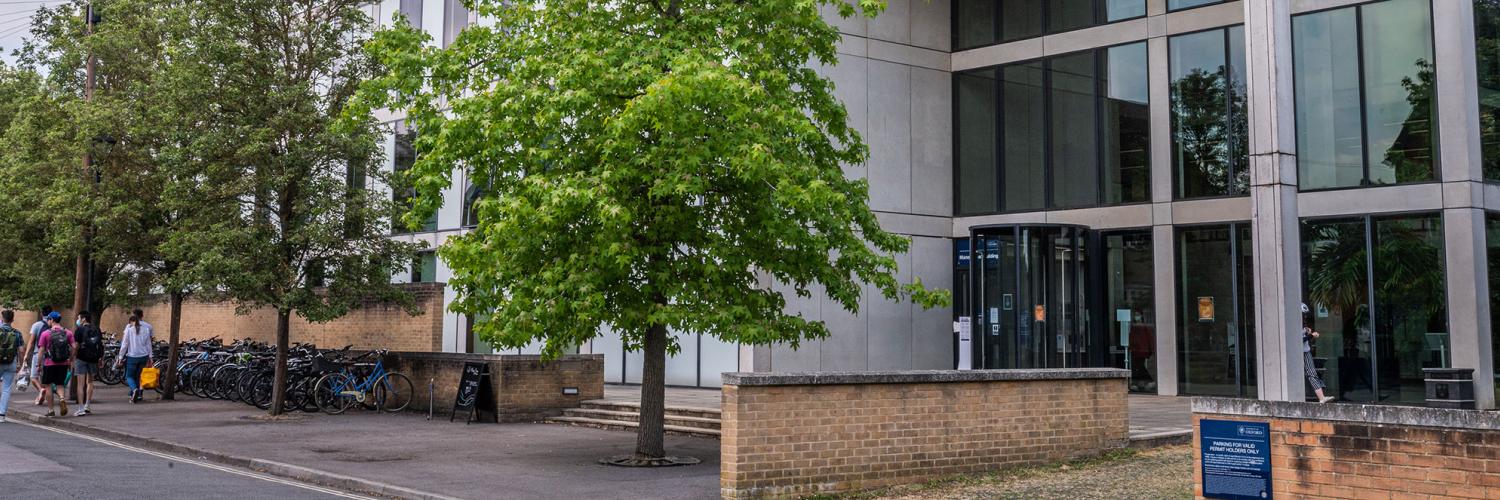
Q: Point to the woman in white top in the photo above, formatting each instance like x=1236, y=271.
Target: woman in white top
x=135, y=353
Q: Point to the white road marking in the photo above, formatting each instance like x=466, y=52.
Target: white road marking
x=207, y=465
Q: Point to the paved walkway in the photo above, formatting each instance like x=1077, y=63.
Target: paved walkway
x=453, y=459
x=1151, y=416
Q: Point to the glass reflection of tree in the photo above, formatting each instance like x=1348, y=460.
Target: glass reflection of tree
x=1410, y=287
x=1412, y=152
x=1487, y=46
x=1208, y=111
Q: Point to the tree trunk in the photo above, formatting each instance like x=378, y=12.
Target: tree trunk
x=170, y=379
x=80, y=283
x=650, y=441
x=283, y=337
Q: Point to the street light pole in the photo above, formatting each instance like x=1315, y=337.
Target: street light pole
x=82, y=270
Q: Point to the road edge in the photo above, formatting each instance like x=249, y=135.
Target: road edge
x=279, y=469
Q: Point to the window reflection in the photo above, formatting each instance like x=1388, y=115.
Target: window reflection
x=1215, y=328
x=1209, y=124
x=985, y=22
x=1487, y=52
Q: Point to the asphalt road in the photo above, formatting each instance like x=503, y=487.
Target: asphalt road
x=37, y=463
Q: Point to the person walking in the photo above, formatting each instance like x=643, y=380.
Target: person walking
x=86, y=368
x=1308, y=367
x=11, y=344
x=59, y=352
x=135, y=353
x=33, y=352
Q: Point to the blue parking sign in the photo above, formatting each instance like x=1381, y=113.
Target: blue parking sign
x=1236, y=459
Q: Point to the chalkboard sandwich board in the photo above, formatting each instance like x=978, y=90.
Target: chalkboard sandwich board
x=474, y=396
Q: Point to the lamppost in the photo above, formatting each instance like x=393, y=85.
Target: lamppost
x=82, y=270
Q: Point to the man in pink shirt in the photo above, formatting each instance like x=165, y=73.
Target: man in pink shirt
x=58, y=352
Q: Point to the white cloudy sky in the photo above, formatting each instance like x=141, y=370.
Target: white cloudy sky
x=15, y=20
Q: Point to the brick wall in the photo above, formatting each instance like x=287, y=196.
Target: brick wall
x=373, y=326
x=795, y=435
x=527, y=389
x=1361, y=451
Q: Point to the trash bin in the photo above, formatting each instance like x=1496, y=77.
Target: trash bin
x=1450, y=387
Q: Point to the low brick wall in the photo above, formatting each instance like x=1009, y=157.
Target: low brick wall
x=526, y=388
x=801, y=434
x=374, y=325
x=1367, y=451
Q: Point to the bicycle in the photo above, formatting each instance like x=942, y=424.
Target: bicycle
x=375, y=388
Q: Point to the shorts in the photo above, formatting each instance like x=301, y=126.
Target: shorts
x=36, y=365
x=55, y=374
x=81, y=367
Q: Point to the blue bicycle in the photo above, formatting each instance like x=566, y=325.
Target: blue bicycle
x=365, y=384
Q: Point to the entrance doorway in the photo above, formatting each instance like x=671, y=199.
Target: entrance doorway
x=1030, y=297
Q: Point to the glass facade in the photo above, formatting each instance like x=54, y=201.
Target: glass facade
x=404, y=156
x=1188, y=4
x=1364, y=95
x=1487, y=55
x=1376, y=294
x=1210, y=126
x=985, y=22
x=1130, y=311
x=1215, y=325
x=1065, y=132
x=424, y=268
x=1492, y=251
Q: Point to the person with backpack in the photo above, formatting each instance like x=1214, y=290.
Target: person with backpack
x=135, y=353
x=86, y=367
x=59, y=351
x=31, y=359
x=11, y=342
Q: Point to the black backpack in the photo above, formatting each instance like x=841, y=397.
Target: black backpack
x=90, y=343
x=59, y=350
x=10, y=343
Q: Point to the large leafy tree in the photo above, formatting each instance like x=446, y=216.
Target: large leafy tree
x=649, y=166
x=307, y=237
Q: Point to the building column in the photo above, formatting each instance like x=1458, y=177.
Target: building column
x=1273, y=197
x=1464, y=239
x=1165, y=270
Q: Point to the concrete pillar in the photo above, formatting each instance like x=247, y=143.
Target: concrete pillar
x=1273, y=191
x=1464, y=239
x=1165, y=269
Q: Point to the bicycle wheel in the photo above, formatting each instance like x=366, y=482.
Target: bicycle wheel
x=393, y=392
x=260, y=391
x=328, y=393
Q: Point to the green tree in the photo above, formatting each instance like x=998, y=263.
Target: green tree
x=308, y=236
x=652, y=166
x=31, y=273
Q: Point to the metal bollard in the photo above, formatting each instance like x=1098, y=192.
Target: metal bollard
x=430, y=384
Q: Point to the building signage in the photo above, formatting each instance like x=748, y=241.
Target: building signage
x=1236, y=459
x=965, y=329
x=961, y=254
x=1206, y=309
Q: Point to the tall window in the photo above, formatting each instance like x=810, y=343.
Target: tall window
x=985, y=22
x=1210, y=128
x=1492, y=250
x=1216, y=320
x=1188, y=4
x=1487, y=52
x=424, y=268
x=1376, y=293
x=412, y=9
x=404, y=157
x=1131, y=308
x=455, y=18
x=1065, y=132
x=1364, y=95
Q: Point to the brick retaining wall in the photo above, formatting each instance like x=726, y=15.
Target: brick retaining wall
x=527, y=389
x=373, y=326
x=801, y=434
x=1368, y=451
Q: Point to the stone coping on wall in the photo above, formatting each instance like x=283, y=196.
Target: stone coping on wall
x=1350, y=412
x=919, y=376
x=458, y=356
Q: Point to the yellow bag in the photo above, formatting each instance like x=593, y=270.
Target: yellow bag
x=149, y=377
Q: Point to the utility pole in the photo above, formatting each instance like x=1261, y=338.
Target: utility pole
x=82, y=270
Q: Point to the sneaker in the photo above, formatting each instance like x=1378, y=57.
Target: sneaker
x=50, y=414
x=87, y=411
x=139, y=394
x=81, y=412
x=64, y=409
x=2, y=419
x=1326, y=399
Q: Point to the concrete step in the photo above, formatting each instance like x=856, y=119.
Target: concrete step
x=635, y=407
x=617, y=425
x=632, y=416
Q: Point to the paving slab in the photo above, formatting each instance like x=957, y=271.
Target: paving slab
x=407, y=450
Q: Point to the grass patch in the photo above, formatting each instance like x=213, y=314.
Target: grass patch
x=998, y=476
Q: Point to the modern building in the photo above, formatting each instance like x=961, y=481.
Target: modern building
x=1158, y=185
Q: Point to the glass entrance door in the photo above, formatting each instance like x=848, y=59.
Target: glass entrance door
x=1029, y=297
